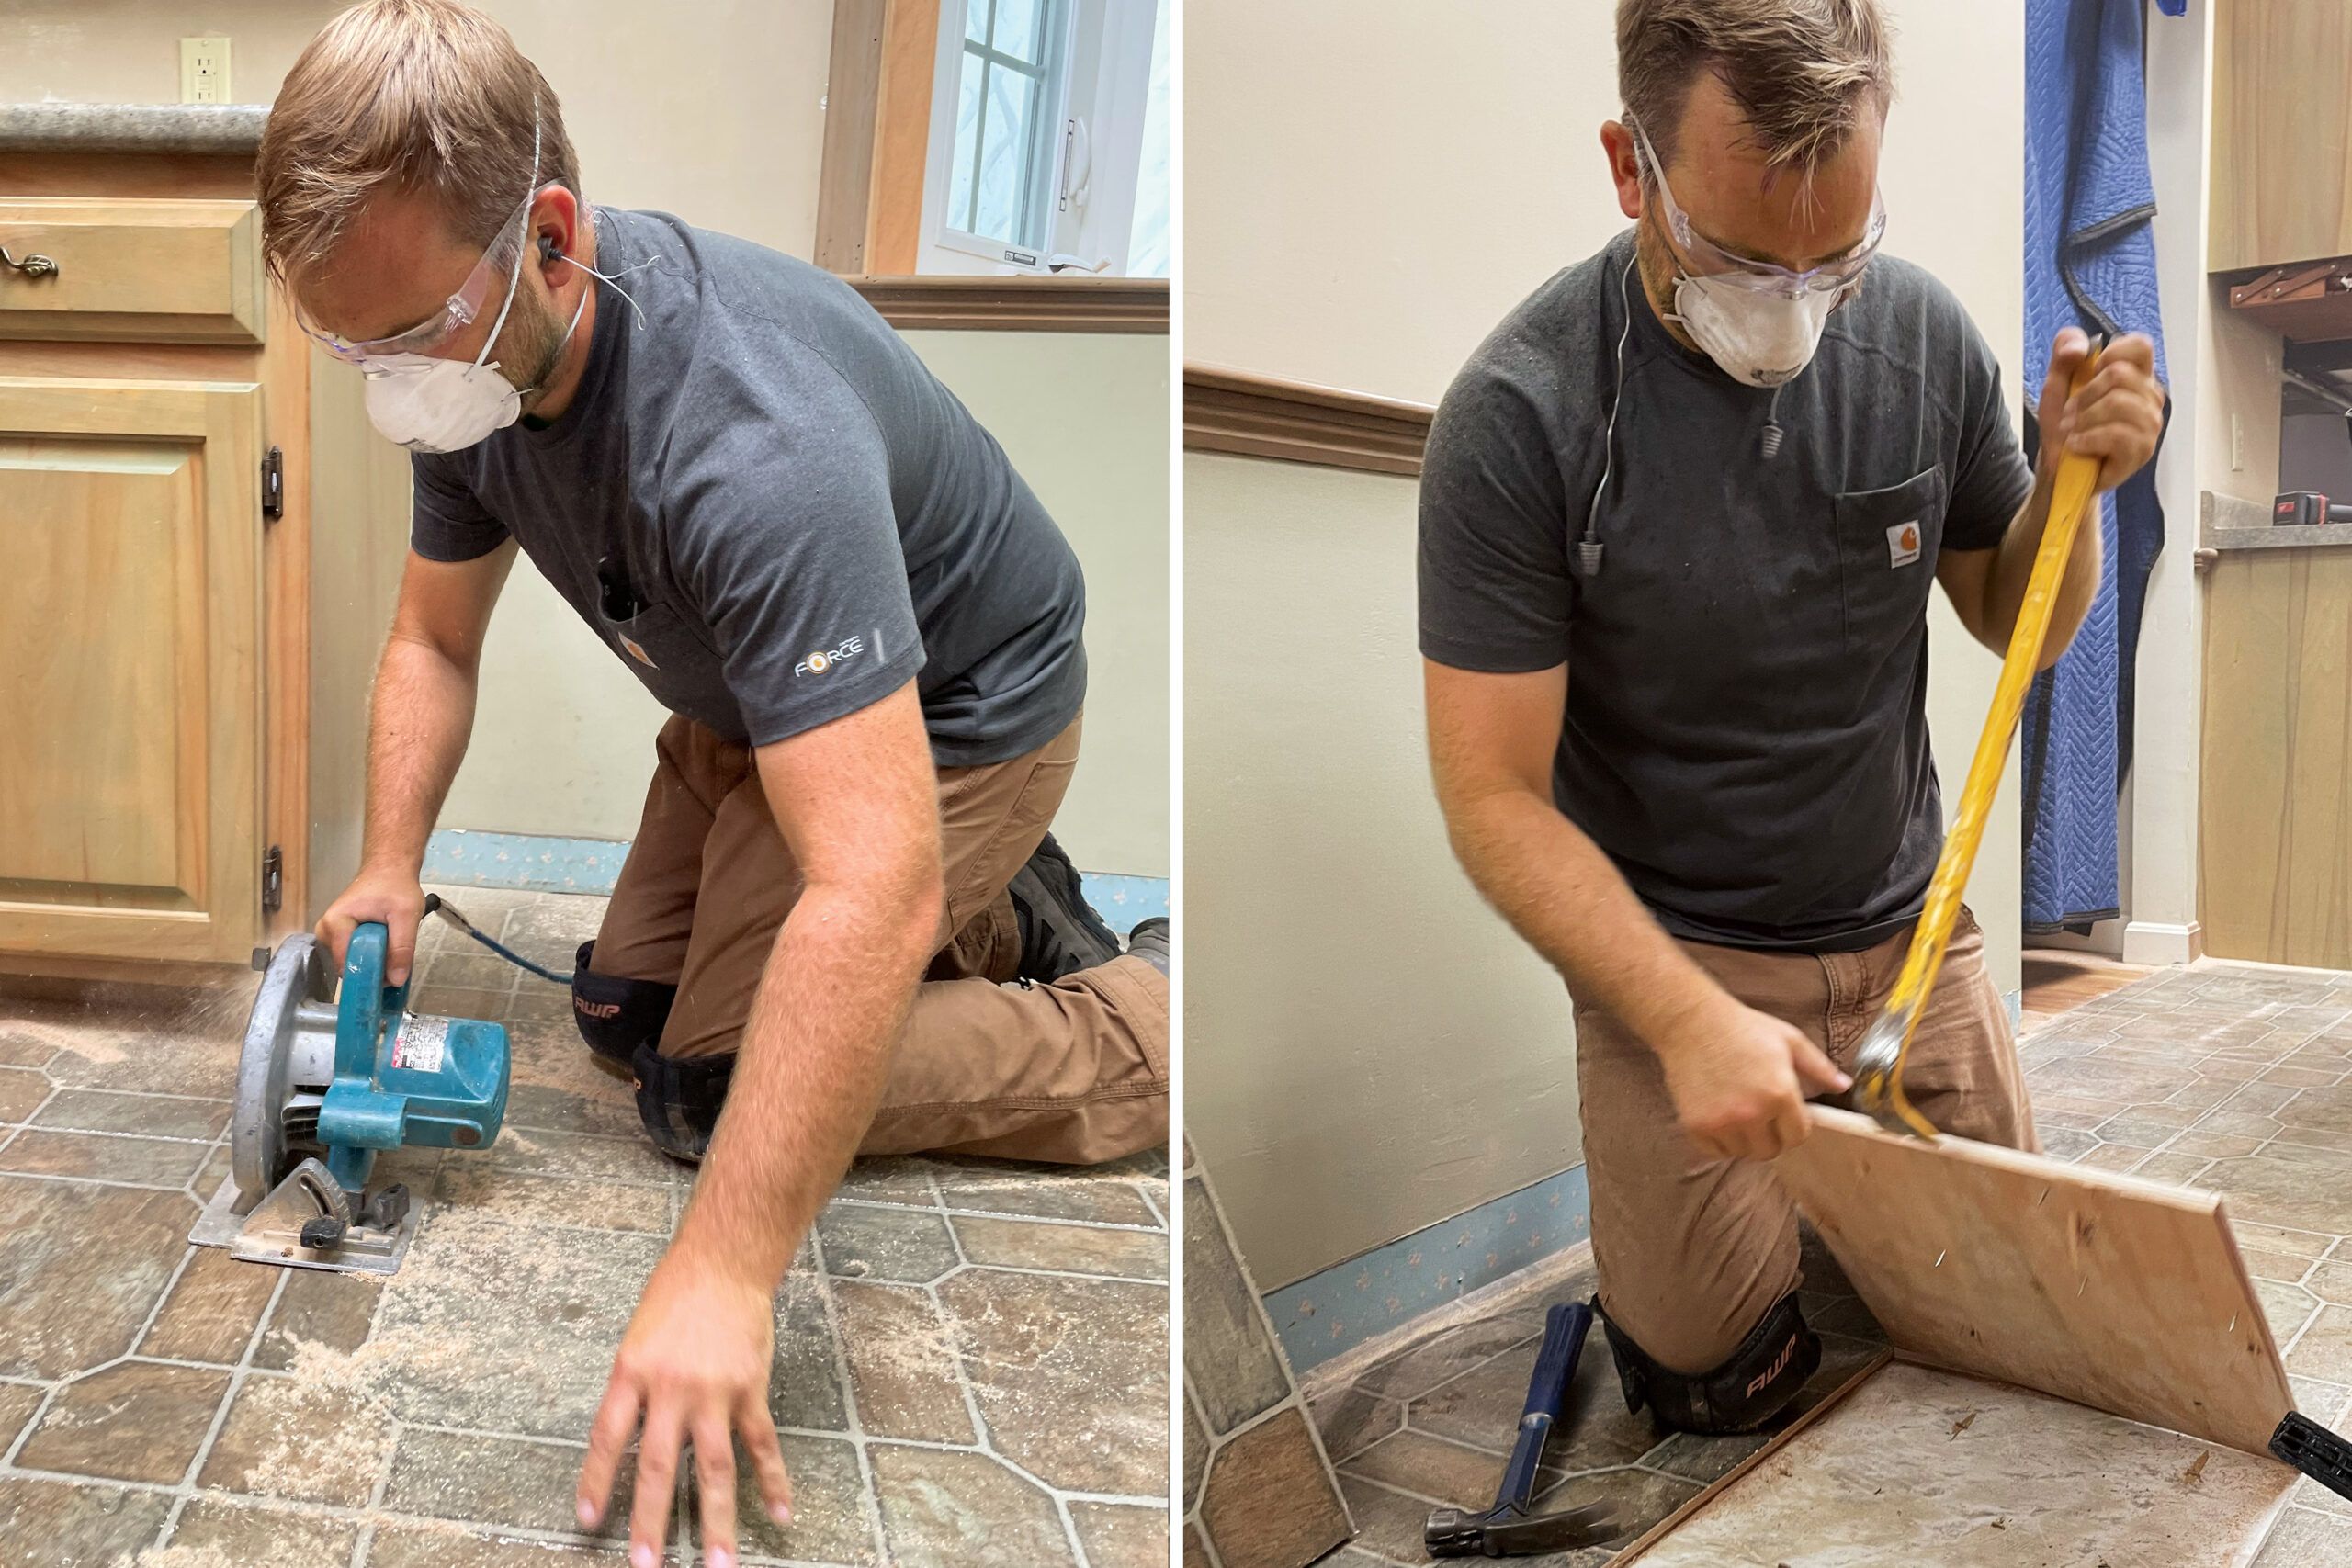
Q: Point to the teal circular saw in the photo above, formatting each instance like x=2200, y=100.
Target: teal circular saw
x=336, y=1069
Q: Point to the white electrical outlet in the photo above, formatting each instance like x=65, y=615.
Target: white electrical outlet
x=204, y=71
x=2237, y=443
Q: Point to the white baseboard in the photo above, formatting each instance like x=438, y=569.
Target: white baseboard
x=2150, y=942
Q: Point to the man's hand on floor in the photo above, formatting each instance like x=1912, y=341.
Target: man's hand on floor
x=1739, y=1079
x=694, y=1366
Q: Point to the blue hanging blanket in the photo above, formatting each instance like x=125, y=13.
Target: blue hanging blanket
x=2090, y=261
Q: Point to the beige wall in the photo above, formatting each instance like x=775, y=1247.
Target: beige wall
x=563, y=740
x=1368, y=1048
x=718, y=114
x=1369, y=189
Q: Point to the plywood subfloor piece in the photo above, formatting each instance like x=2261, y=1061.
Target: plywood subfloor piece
x=1914, y=1464
x=2120, y=1295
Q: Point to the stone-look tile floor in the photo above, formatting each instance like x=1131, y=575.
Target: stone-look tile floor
x=971, y=1355
x=2225, y=1077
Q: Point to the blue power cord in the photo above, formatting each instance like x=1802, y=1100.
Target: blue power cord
x=436, y=905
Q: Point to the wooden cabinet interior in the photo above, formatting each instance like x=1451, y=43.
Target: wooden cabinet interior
x=188, y=688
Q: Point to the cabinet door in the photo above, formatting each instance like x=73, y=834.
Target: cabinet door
x=2282, y=111
x=130, y=675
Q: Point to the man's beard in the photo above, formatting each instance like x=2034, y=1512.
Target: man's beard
x=1659, y=269
x=528, y=348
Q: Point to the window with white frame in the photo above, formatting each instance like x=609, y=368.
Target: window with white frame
x=1048, y=148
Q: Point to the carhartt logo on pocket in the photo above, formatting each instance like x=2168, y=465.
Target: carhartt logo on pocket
x=637, y=652
x=1903, y=544
x=818, y=663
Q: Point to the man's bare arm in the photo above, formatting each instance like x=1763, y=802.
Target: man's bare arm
x=2118, y=418
x=1987, y=587
x=1491, y=743
x=1735, y=1072
x=419, y=719
x=857, y=801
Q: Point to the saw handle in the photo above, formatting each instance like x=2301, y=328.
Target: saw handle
x=366, y=1003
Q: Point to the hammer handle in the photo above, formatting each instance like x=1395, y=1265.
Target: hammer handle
x=1565, y=1328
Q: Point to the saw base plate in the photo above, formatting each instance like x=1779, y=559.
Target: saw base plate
x=267, y=1236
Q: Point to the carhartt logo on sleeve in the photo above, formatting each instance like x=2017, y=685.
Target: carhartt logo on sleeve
x=1903, y=544
x=818, y=663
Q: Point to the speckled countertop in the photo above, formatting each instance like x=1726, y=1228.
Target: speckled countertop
x=131, y=128
x=2230, y=524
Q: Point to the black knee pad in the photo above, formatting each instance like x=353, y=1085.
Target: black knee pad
x=617, y=1016
x=679, y=1098
x=1746, y=1391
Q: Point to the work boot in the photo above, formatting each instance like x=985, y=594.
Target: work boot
x=1060, y=932
x=1150, y=942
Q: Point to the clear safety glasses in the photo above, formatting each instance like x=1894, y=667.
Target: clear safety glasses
x=461, y=308
x=1835, y=276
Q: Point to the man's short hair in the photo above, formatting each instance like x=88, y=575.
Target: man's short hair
x=1803, y=72
x=423, y=96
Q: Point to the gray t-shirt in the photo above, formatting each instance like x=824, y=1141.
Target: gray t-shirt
x=766, y=505
x=1746, y=731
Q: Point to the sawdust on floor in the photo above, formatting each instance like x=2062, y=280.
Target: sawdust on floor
x=185, y=1556
x=107, y=1021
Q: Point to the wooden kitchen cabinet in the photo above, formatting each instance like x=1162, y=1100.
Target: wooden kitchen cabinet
x=199, y=542
x=2281, y=164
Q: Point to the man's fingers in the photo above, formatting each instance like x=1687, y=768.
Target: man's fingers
x=1814, y=1065
x=766, y=1456
x=657, y=1485
x=2131, y=348
x=334, y=931
x=615, y=1419
x=1789, y=1129
x=715, y=1468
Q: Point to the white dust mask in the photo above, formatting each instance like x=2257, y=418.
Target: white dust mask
x=442, y=405
x=1761, y=338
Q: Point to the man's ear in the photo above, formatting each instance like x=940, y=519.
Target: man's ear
x=1624, y=167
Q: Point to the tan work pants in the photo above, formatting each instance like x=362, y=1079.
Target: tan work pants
x=1692, y=1250
x=1075, y=1072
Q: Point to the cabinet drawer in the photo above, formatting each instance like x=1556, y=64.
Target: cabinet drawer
x=128, y=270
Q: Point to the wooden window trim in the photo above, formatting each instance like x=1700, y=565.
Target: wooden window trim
x=869, y=197
x=1021, y=304
x=1250, y=416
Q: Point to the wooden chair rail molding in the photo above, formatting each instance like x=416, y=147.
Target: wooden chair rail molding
x=1251, y=415
x=1021, y=304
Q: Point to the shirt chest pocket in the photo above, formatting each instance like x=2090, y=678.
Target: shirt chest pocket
x=1887, y=541
x=664, y=653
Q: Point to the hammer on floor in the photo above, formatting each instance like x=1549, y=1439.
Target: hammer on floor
x=1507, y=1529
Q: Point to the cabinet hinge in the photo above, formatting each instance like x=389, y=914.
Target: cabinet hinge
x=272, y=486
x=273, y=881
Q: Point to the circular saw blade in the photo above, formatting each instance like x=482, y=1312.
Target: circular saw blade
x=257, y=1140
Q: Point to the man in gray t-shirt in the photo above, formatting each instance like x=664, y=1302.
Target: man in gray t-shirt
x=843, y=927
x=1680, y=514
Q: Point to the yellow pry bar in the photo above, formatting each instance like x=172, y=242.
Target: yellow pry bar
x=2072, y=492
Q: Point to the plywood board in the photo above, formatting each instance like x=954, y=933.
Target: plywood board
x=1915, y=1464
x=2123, y=1295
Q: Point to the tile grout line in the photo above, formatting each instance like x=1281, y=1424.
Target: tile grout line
x=146, y=1327
x=984, y=1439
x=1010, y=1216
x=186, y=1491
x=855, y=1427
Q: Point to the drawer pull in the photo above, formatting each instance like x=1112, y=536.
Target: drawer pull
x=33, y=265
